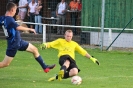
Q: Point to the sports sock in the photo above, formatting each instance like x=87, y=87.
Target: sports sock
x=66, y=75
x=63, y=68
x=41, y=62
x=56, y=76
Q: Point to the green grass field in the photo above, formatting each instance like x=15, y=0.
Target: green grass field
x=115, y=70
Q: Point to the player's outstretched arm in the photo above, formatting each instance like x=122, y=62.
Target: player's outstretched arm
x=92, y=59
x=21, y=28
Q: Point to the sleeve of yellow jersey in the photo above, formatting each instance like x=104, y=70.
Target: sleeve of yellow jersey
x=80, y=50
x=53, y=44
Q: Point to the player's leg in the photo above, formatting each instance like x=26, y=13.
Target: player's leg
x=25, y=46
x=72, y=69
x=63, y=69
x=31, y=48
x=10, y=54
x=73, y=72
x=7, y=60
x=64, y=63
x=67, y=74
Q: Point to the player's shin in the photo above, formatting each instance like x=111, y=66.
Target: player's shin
x=63, y=68
x=41, y=62
x=45, y=67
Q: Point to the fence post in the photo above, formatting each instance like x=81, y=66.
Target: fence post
x=44, y=33
x=110, y=38
x=102, y=23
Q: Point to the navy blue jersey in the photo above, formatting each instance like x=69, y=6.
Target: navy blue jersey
x=14, y=41
x=9, y=26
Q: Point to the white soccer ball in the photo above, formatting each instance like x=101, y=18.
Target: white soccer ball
x=77, y=80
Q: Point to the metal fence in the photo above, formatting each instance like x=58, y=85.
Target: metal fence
x=123, y=41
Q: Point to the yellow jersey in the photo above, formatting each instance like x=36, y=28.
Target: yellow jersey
x=66, y=48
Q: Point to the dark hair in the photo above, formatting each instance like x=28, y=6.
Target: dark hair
x=10, y=5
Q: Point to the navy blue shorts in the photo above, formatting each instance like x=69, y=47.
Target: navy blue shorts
x=12, y=49
x=63, y=58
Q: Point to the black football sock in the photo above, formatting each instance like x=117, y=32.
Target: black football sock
x=56, y=76
x=63, y=68
x=66, y=75
x=41, y=62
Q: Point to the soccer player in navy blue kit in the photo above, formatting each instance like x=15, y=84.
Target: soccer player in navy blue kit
x=14, y=41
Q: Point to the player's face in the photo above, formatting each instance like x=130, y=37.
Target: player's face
x=68, y=36
x=14, y=10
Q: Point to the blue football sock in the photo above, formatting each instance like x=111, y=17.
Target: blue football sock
x=41, y=62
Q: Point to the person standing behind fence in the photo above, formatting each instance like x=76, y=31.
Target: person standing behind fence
x=79, y=8
x=79, y=5
x=52, y=6
x=73, y=5
x=38, y=16
x=61, y=10
x=31, y=11
x=31, y=0
x=22, y=9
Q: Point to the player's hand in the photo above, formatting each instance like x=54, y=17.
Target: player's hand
x=32, y=30
x=43, y=46
x=95, y=60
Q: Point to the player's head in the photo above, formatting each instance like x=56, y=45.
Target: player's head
x=68, y=35
x=11, y=7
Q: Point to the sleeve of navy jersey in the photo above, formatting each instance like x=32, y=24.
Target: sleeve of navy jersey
x=10, y=26
x=11, y=23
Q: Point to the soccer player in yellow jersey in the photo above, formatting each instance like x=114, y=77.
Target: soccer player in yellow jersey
x=66, y=55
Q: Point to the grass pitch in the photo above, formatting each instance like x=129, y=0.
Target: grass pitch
x=115, y=70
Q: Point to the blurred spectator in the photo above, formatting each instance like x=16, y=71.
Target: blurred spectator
x=31, y=11
x=38, y=16
x=22, y=6
x=31, y=0
x=74, y=15
x=52, y=6
x=61, y=10
x=79, y=8
x=79, y=5
x=14, y=1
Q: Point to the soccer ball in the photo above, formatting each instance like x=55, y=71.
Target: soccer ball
x=77, y=80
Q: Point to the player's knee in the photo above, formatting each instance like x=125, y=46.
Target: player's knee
x=5, y=64
x=74, y=71
x=35, y=50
